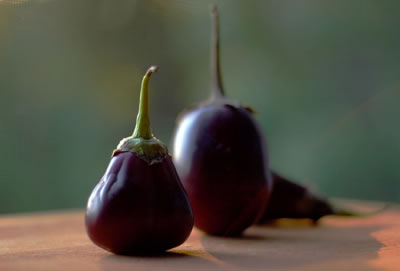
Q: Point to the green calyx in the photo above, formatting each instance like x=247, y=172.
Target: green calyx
x=143, y=142
x=150, y=150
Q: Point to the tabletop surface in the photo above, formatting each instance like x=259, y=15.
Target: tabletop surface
x=58, y=241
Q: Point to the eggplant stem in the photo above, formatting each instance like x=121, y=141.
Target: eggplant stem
x=217, y=90
x=142, y=128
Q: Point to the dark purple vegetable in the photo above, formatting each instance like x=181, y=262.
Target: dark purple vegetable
x=291, y=200
x=139, y=206
x=219, y=153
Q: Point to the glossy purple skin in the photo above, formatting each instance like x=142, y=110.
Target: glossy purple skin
x=138, y=208
x=291, y=200
x=219, y=156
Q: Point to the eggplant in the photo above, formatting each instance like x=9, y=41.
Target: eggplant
x=139, y=206
x=291, y=200
x=221, y=157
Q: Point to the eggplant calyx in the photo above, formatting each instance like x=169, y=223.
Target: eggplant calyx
x=150, y=150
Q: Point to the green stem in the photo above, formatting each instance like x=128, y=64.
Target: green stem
x=142, y=128
x=217, y=90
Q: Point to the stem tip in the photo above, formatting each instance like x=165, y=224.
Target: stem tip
x=213, y=9
x=151, y=70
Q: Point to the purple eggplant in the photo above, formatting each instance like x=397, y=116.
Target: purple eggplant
x=140, y=205
x=291, y=200
x=220, y=155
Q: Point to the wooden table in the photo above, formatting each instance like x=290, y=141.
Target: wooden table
x=57, y=241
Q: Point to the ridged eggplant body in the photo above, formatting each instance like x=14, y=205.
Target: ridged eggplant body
x=138, y=208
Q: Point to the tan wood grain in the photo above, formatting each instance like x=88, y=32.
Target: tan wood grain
x=58, y=241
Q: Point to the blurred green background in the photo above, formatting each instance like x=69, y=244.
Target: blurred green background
x=323, y=76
